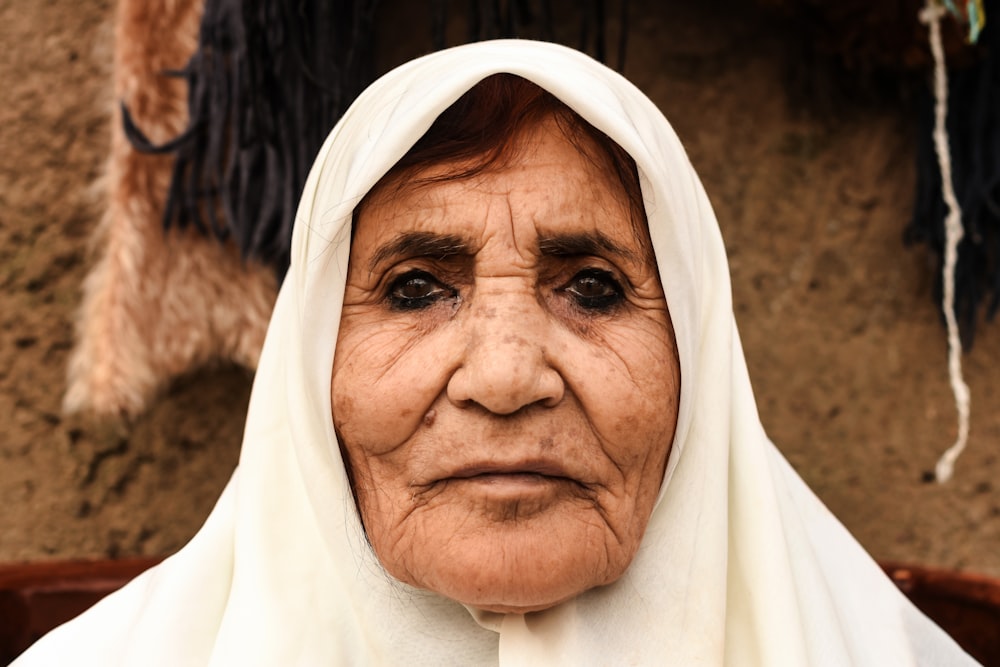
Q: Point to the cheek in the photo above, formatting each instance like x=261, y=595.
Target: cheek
x=382, y=385
x=629, y=387
x=385, y=378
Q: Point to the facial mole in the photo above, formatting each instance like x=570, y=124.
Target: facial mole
x=429, y=417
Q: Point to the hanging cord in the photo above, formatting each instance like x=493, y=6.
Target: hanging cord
x=931, y=15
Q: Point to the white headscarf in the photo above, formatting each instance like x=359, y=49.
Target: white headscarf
x=740, y=564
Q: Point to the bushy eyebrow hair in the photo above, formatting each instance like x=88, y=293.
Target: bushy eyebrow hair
x=577, y=245
x=420, y=244
x=444, y=246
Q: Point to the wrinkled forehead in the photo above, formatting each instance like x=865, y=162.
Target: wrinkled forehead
x=569, y=168
x=550, y=199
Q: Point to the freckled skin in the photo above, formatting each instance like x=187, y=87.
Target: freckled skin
x=506, y=437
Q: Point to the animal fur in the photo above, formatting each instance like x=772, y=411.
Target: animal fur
x=157, y=305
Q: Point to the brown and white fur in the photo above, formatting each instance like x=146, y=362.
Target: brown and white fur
x=155, y=304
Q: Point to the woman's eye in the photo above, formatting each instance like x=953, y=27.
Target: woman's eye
x=417, y=289
x=594, y=289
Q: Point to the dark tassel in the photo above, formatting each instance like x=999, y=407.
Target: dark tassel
x=973, y=124
x=267, y=83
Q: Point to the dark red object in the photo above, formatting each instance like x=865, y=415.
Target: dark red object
x=966, y=605
x=36, y=597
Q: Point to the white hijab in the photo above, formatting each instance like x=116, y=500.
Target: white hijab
x=740, y=564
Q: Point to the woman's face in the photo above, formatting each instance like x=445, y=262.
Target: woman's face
x=505, y=384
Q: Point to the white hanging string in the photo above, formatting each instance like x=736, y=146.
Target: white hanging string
x=931, y=15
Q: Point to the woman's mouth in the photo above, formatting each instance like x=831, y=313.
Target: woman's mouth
x=528, y=470
x=536, y=484
x=513, y=478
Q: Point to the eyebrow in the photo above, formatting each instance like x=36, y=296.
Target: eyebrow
x=420, y=244
x=577, y=245
x=443, y=246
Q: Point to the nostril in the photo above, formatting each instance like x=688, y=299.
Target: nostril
x=551, y=387
x=506, y=388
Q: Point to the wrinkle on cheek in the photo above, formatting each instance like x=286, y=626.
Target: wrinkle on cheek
x=423, y=495
x=383, y=354
x=634, y=351
x=384, y=506
x=397, y=531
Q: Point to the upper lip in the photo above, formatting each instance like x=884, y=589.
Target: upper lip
x=546, y=468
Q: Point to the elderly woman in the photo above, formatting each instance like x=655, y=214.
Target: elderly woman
x=502, y=416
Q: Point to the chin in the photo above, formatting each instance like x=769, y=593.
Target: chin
x=506, y=589
x=512, y=568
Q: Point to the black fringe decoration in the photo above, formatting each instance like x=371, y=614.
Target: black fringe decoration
x=264, y=87
x=973, y=124
x=269, y=80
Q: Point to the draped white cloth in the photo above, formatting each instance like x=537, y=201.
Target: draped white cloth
x=740, y=565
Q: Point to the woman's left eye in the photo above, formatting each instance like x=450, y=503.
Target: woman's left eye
x=417, y=289
x=595, y=289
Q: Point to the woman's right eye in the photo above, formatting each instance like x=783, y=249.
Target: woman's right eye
x=417, y=289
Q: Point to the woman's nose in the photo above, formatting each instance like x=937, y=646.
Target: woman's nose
x=506, y=365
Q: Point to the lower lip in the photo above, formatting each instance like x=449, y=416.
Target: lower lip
x=514, y=477
x=518, y=495
x=517, y=482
